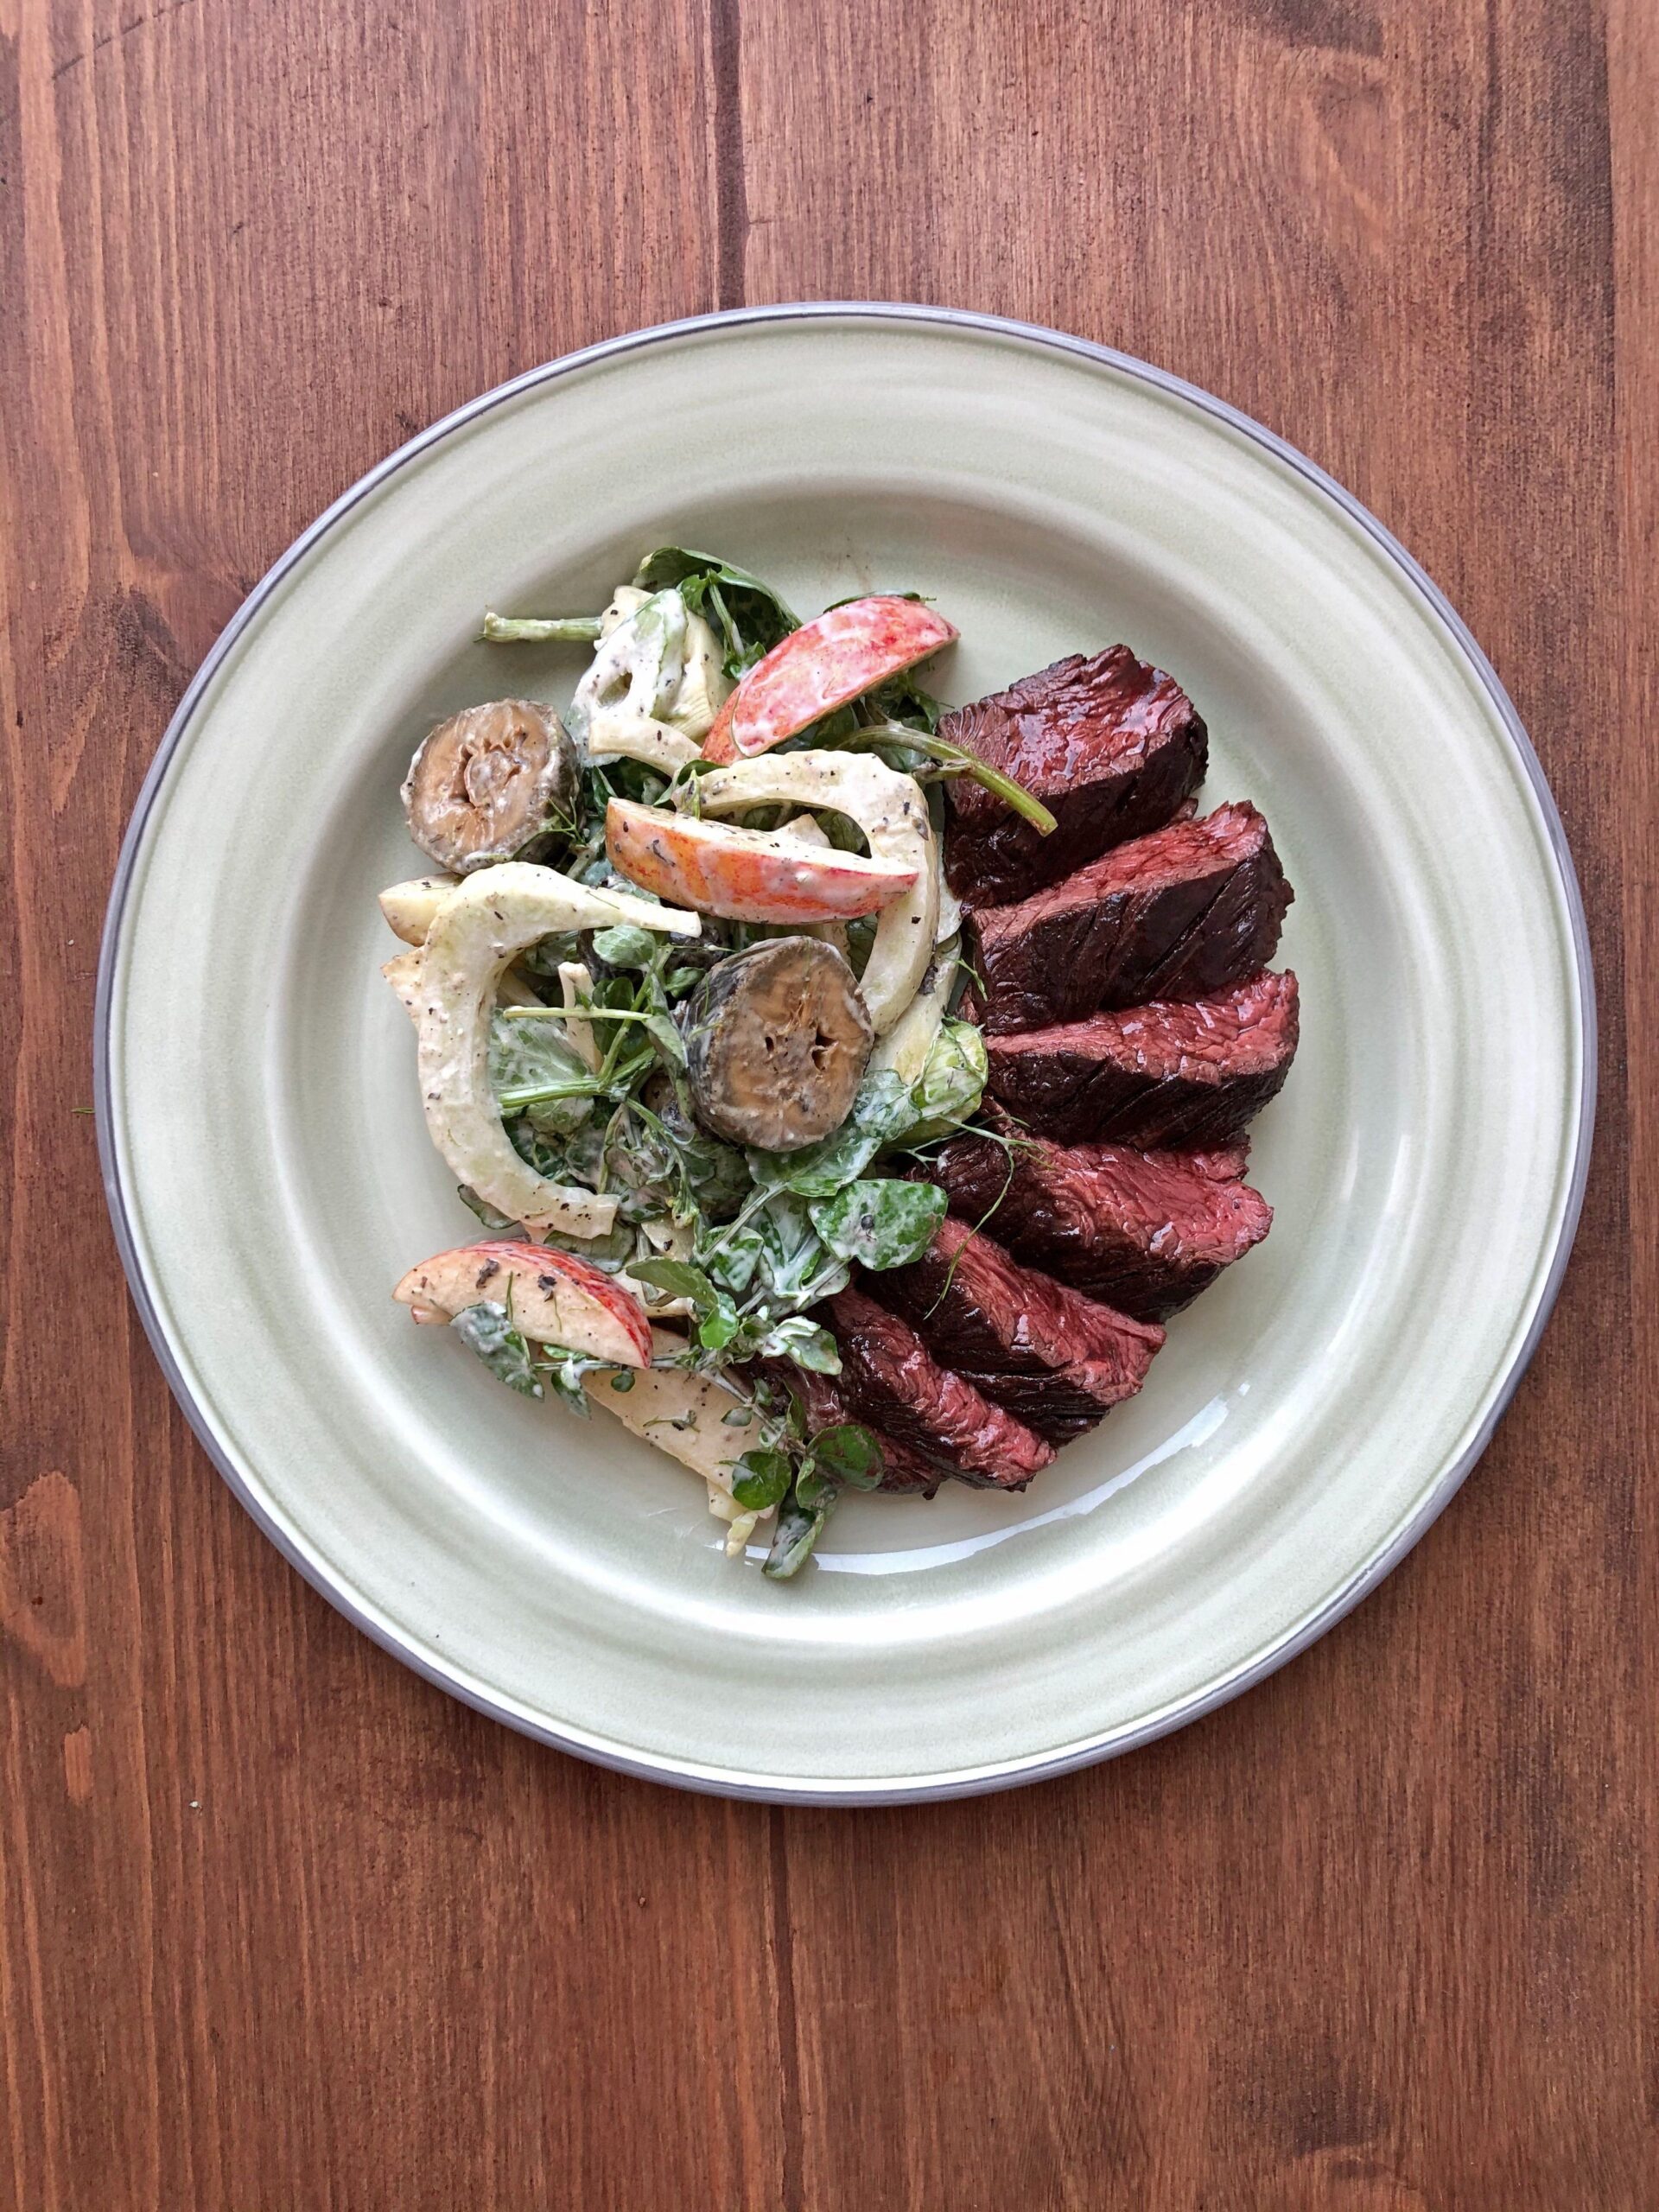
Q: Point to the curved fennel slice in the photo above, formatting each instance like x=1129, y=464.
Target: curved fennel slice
x=619, y=734
x=891, y=812
x=477, y=933
x=908, y=1044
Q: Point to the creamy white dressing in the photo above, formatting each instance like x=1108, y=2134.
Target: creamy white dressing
x=575, y=983
x=654, y=685
x=684, y=1414
x=619, y=734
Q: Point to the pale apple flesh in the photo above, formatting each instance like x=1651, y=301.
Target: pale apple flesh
x=746, y=876
x=820, y=667
x=554, y=1298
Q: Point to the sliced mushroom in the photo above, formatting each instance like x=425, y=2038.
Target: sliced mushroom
x=776, y=1040
x=493, y=783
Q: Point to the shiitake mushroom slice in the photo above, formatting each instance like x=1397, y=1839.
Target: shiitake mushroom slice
x=776, y=1040
x=493, y=783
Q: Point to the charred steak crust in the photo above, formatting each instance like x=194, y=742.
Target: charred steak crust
x=1179, y=914
x=1110, y=745
x=1062, y=1405
x=1058, y=1359
x=1182, y=1072
x=892, y=1381
x=1142, y=1231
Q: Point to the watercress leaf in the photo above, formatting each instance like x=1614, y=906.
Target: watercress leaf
x=485, y=1212
x=817, y=1170
x=731, y=1263
x=850, y=1454
x=487, y=1329
x=883, y=1103
x=533, y=1063
x=951, y=1084
x=815, y=1486
x=810, y=1346
x=797, y=1532
x=564, y=1370
x=902, y=700
x=667, y=1040
x=749, y=616
x=761, y=1479
x=793, y=1261
x=625, y=947
x=716, y=1330
x=680, y=1280
x=880, y=1224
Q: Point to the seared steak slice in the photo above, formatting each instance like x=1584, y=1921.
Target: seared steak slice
x=1176, y=915
x=1175, y=1072
x=1110, y=746
x=892, y=1381
x=905, y=1471
x=1144, y=1231
x=1057, y=1359
x=1062, y=1405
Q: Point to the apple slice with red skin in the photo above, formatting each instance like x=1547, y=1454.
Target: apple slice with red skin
x=746, y=876
x=554, y=1298
x=840, y=657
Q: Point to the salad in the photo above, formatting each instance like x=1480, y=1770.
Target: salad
x=683, y=981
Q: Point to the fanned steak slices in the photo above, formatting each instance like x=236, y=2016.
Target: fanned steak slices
x=892, y=1381
x=1059, y=1360
x=1111, y=747
x=1176, y=915
x=905, y=1472
x=1142, y=1231
x=1190, y=1073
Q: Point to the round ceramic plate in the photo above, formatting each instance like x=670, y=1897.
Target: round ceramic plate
x=270, y=1175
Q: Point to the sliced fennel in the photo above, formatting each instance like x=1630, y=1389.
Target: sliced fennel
x=479, y=929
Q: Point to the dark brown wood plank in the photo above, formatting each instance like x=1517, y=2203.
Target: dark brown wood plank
x=279, y=1924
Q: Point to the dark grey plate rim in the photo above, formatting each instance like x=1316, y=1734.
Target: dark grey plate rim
x=715, y=1781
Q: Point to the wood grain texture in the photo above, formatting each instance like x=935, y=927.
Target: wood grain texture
x=283, y=1927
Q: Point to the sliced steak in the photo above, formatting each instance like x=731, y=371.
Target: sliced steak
x=892, y=1381
x=1059, y=1360
x=1175, y=1072
x=905, y=1471
x=1144, y=1231
x=1110, y=745
x=1062, y=1405
x=1176, y=915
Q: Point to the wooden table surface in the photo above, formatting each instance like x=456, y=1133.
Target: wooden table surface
x=284, y=1928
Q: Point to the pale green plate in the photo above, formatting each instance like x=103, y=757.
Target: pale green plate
x=270, y=1177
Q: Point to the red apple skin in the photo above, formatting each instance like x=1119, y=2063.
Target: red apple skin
x=821, y=666
x=746, y=875
x=557, y=1299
